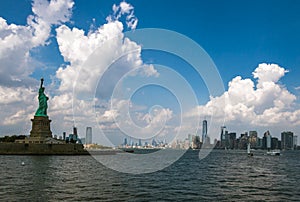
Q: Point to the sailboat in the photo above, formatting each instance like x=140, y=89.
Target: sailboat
x=248, y=150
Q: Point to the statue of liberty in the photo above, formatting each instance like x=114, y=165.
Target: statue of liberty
x=42, y=110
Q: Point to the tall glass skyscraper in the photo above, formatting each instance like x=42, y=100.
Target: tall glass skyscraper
x=204, y=131
x=287, y=140
x=89, y=135
x=223, y=136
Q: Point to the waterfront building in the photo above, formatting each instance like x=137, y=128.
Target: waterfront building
x=269, y=141
x=227, y=139
x=266, y=141
x=89, y=135
x=125, y=142
x=295, y=141
x=232, y=140
x=268, y=138
x=253, y=139
x=287, y=139
x=131, y=142
x=243, y=141
x=279, y=144
x=73, y=137
x=223, y=136
x=274, y=143
x=154, y=143
x=259, y=144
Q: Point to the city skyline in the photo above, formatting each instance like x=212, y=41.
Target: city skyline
x=256, y=56
x=228, y=140
x=88, y=135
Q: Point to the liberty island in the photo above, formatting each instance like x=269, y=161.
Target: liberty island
x=40, y=140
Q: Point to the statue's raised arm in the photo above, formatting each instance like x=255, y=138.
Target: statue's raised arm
x=42, y=110
x=42, y=81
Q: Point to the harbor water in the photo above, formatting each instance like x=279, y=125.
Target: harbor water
x=221, y=176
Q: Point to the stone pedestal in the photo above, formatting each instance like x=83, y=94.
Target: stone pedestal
x=40, y=127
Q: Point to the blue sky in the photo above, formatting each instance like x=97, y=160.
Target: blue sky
x=237, y=35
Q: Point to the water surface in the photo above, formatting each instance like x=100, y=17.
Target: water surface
x=222, y=176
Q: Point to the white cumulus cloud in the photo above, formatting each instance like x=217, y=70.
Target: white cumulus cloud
x=16, y=41
x=101, y=53
x=18, y=99
x=268, y=73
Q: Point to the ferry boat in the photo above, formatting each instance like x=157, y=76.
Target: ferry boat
x=273, y=153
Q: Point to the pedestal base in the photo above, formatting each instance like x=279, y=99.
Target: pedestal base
x=40, y=127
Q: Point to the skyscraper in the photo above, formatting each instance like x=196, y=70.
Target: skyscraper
x=295, y=141
x=253, y=138
x=75, y=131
x=267, y=140
x=204, y=131
x=287, y=140
x=274, y=143
x=89, y=135
x=73, y=137
x=223, y=136
x=125, y=142
x=232, y=140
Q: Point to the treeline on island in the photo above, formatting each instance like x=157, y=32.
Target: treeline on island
x=12, y=138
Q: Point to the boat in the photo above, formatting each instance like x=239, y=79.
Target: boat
x=249, y=150
x=128, y=150
x=274, y=152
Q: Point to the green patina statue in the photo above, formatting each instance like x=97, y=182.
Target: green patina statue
x=42, y=110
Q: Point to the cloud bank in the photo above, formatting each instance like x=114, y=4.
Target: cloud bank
x=260, y=105
x=102, y=55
